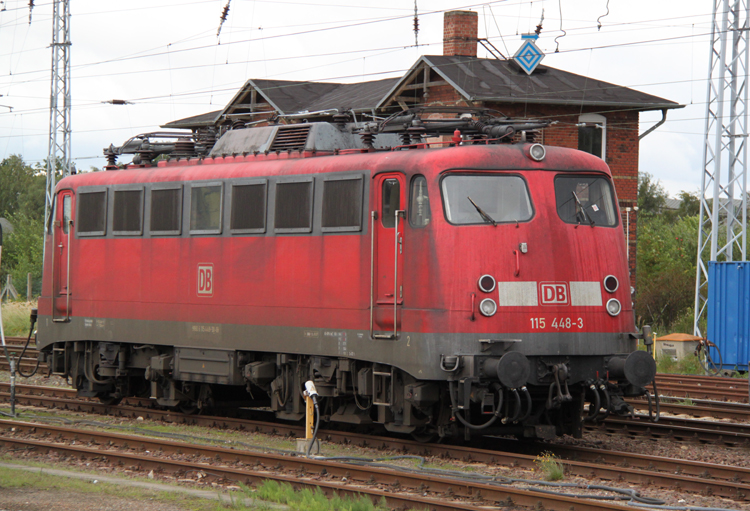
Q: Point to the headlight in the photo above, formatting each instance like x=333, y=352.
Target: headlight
x=486, y=283
x=537, y=152
x=613, y=307
x=611, y=283
x=488, y=307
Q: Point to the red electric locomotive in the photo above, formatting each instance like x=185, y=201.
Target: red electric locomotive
x=468, y=284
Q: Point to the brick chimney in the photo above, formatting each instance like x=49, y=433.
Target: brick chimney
x=460, y=33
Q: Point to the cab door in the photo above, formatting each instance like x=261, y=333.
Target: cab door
x=62, y=233
x=387, y=293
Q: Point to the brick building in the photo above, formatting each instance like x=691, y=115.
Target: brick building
x=588, y=114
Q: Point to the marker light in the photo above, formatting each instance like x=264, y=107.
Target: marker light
x=488, y=307
x=486, y=283
x=613, y=307
x=537, y=152
x=611, y=283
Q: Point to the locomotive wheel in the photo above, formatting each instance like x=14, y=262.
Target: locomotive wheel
x=109, y=400
x=425, y=435
x=188, y=408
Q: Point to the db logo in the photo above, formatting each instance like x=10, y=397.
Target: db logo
x=205, y=279
x=554, y=293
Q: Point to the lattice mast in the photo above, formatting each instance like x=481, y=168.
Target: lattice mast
x=723, y=211
x=60, y=105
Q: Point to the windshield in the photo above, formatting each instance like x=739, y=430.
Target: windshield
x=501, y=198
x=585, y=200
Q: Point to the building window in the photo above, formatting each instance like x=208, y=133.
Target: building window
x=592, y=134
x=128, y=212
x=166, y=210
x=342, y=204
x=92, y=213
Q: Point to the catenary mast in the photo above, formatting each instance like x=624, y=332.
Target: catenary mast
x=60, y=104
x=723, y=210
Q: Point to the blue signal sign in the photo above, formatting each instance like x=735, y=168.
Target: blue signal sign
x=528, y=55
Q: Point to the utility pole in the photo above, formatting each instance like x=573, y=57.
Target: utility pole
x=59, y=105
x=723, y=213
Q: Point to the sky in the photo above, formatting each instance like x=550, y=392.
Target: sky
x=165, y=59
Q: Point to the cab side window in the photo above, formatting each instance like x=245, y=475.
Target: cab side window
x=419, y=203
x=391, y=201
x=66, y=214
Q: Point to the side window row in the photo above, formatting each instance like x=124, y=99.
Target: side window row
x=341, y=210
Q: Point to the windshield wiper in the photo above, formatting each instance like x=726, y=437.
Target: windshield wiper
x=583, y=211
x=485, y=216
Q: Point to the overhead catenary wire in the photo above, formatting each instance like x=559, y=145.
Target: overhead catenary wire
x=402, y=70
x=173, y=97
x=377, y=20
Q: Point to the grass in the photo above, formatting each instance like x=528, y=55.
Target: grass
x=686, y=402
x=16, y=318
x=687, y=365
x=269, y=491
x=548, y=464
x=24, y=480
x=311, y=500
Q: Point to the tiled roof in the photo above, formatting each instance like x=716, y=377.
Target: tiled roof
x=504, y=81
x=207, y=119
x=476, y=79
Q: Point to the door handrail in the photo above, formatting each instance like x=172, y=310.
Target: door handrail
x=397, y=249
x=54, y=255
x=374, y=216
x=55, y=226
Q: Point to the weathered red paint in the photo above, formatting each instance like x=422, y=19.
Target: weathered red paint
x=324, y=280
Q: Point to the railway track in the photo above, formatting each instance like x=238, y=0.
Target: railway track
x=703, y=387
x=400, y=488
x=719, y=480
x=28, y=362
x=680, y=429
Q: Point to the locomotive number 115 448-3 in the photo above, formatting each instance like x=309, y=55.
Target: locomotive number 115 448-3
x=556, y=323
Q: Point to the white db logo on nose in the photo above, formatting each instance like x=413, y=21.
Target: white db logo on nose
x=554, y=293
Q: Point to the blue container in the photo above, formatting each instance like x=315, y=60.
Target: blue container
x=729, y=313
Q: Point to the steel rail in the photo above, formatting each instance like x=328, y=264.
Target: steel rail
x=311, y=473
x=700, y=392
x=701, y=379
x=680, y=429
x=713, y=409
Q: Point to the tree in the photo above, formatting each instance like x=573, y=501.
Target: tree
x=22, y=190
x=651, y=195
x=667, y=251
x=690, y=204
x=23, y=249
x=16, y=179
